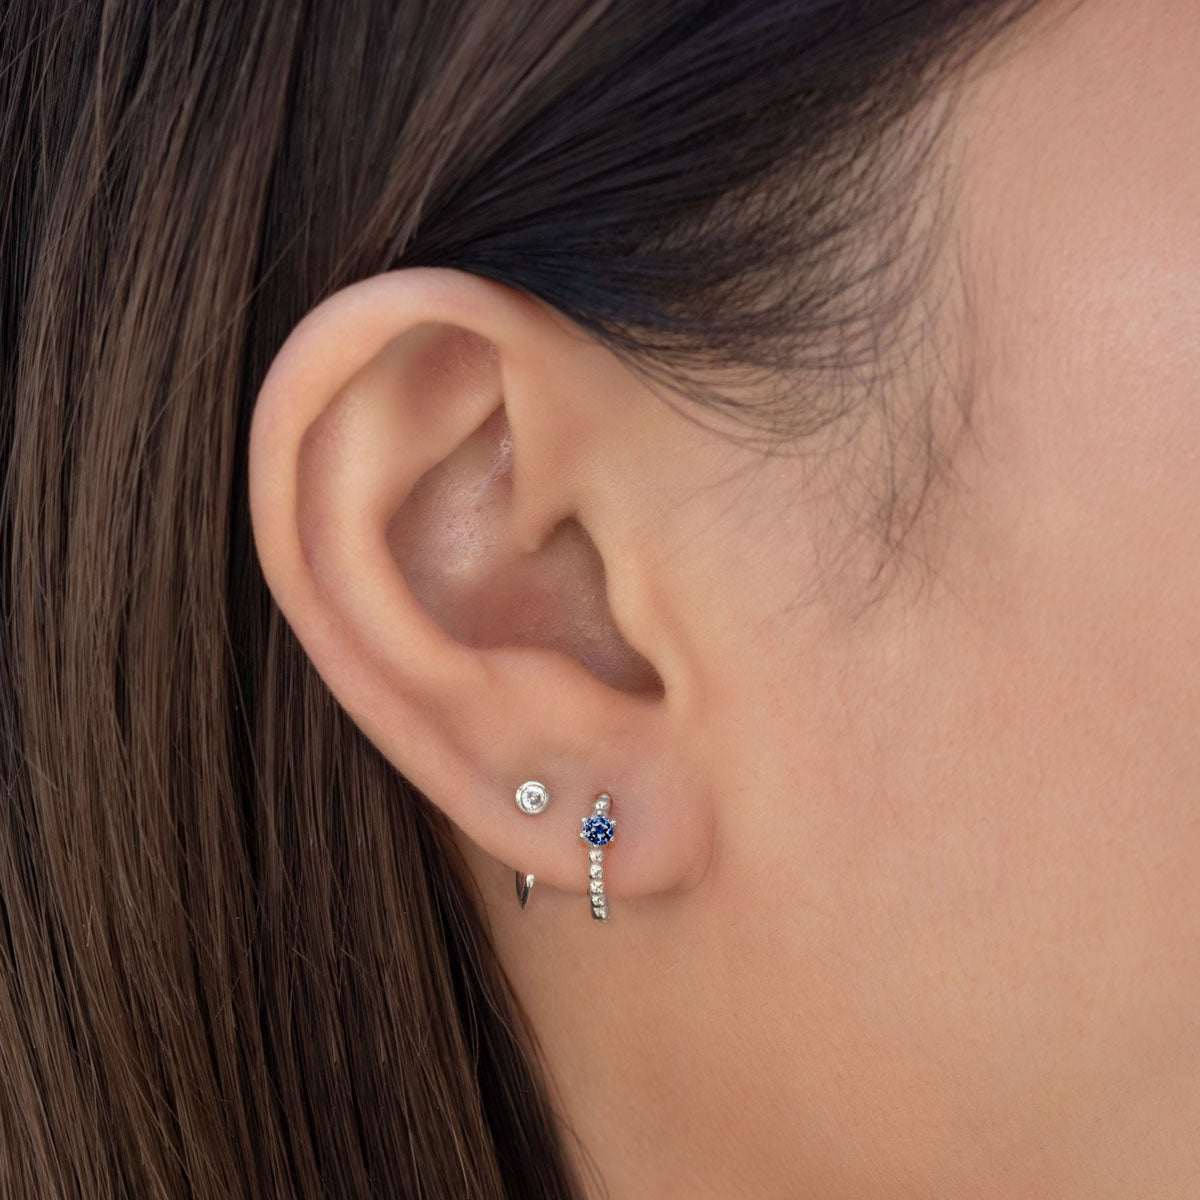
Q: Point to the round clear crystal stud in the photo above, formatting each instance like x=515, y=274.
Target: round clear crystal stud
x=532, y=797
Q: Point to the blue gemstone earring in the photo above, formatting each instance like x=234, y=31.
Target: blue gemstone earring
x=597, y=832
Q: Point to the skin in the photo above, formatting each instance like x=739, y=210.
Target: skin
x=904, y=893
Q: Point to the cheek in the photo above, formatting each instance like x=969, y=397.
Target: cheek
x=1083, y=228
x=1054, y=865
x=1094, y=475
x=1081, y=231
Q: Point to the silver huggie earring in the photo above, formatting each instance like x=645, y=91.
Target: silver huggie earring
x=532, y=798
x=597, y=832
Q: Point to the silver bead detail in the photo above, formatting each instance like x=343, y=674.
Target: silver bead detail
x=601, y=807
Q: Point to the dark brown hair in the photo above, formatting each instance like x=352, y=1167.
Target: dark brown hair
x=236, y=958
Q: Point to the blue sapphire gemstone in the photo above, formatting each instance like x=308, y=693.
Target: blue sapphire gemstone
x=597, y=830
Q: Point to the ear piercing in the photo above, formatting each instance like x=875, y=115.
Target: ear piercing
x=597, y=831
x=533, y=797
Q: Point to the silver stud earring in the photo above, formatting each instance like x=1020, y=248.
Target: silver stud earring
x=532, y=798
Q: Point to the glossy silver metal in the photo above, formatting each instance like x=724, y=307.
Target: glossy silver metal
x=601, y=807
x=533, y=797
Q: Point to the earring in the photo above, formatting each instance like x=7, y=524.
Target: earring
x=597, y=832
x=532, y=798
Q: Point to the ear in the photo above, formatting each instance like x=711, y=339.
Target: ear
x=439, y=472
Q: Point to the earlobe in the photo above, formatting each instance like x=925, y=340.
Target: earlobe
x=424, y=543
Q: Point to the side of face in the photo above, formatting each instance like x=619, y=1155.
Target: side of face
x=995, y=774
x=948, y=836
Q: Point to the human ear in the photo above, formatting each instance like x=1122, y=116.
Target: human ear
x=437, y=469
